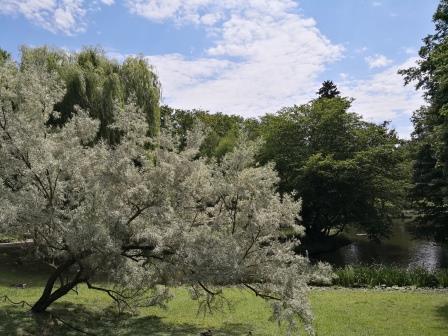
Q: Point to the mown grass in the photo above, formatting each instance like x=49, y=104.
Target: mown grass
x=339, y=312
x=380, y=275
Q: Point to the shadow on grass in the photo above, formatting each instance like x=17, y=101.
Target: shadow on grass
x=442, y=312
x=64, y=319
x=17, y=266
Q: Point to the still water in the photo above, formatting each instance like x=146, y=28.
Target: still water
x=399, y=250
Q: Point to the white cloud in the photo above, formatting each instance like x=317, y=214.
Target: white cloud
x=383, y=97
x=376, y=4
x=377, y=61
x=195, y=10
x=56, y=16
x=264, y=55
x=182, y=73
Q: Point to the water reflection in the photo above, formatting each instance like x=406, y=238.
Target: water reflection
x=399, y=250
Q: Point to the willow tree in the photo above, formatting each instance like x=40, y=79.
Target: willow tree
x=96, y=83
x=144, y=219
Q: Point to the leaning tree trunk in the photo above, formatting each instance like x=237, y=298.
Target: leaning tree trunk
x=48, y=295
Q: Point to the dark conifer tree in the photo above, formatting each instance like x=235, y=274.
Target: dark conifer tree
x=328, y=90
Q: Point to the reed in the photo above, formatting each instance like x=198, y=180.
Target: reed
x=381, y=275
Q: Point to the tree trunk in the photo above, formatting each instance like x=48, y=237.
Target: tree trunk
x=48, y=296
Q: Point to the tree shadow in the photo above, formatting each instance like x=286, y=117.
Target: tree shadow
x=68, y=319
x=17, y=266
x=442, y=312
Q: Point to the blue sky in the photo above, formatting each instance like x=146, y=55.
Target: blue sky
x=245, y=57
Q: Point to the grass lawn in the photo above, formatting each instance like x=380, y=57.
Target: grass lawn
x=340, y=312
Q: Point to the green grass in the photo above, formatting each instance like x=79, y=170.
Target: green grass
x=339, y=312
x=7, y=238
x=375, y=313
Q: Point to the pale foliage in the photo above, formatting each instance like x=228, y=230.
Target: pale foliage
x=144, y=218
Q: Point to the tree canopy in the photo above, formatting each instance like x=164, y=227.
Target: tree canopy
x=95, y=83
x=222, y=132
x=328, y=90
x=430, y=192
x=346, y=171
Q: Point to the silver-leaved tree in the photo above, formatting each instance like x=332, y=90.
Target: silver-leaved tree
x=138, y=218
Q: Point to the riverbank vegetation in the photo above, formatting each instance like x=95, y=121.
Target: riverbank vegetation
x=389, y=276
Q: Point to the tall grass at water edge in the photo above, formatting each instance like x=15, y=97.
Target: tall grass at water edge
x=380, y=275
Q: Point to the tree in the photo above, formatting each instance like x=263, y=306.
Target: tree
x=328, y=90
x=346, y=171
x=142, y=218
x=96, y=83
x=430, y=137
x=222, y=131
x=4, y=55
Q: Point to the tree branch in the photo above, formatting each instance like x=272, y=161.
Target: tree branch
x=22, y=303
x=208, y=290
x=264, y=296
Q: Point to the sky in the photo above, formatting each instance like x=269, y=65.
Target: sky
x=245, y=57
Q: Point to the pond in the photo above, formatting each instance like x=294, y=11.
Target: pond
x=399, y=250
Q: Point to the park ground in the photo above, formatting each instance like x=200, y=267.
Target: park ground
x=338, y=312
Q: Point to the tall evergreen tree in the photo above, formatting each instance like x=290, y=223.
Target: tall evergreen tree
x=430, y=192
x=328, y=90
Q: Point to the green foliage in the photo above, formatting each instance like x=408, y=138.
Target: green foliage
x=4, y=55
x=96, y=84
x=442, y=277
x=223, y=132
x=345, y=170
x=328, y=90
x=430, y=192
x=141, y=82
x=380, y=275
